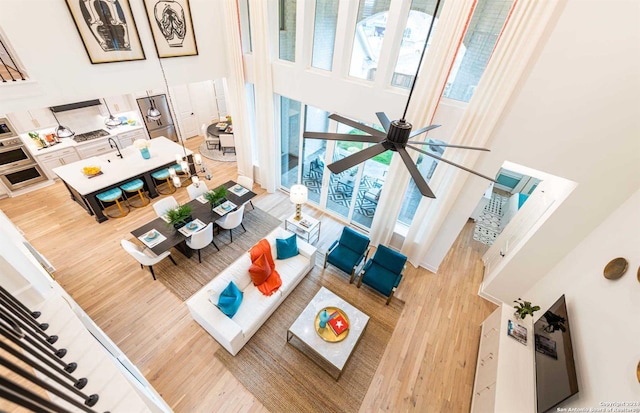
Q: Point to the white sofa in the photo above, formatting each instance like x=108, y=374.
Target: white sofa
x=233, y=333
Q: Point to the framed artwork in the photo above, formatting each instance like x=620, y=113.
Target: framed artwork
x=172, y=28
x=107, y=29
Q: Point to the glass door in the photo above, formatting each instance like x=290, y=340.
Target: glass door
x=289, y=141
x=314, y=153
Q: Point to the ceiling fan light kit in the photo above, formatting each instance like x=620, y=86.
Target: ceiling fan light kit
x=396, y=137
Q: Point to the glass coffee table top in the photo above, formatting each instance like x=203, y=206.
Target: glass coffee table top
x=335, y=353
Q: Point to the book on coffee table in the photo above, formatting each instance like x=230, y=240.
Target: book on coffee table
x=338, y=323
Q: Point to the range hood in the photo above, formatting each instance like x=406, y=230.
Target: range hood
x=77, y=105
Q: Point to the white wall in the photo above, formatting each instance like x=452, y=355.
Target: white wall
x=44, y=36
x=603, y=314
x=575, y=117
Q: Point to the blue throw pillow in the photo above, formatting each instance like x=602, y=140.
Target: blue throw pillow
x=230, y=299
x=287, y=247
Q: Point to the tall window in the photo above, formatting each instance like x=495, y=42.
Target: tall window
x=313, y=152
x=412, y=197
x=324, y=33
x=287, y=24
x=289, y=140
x=367, y=41
x=245, y=25
x=481, y=37
x=413, y=38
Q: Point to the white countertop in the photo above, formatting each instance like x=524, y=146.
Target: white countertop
x=115, y=170
x=69, y=142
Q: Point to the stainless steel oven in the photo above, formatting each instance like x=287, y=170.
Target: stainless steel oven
x=6, y=129
x=18, y=178
x=13, y=154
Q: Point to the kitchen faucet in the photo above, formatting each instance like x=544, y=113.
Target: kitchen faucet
x=113, y=144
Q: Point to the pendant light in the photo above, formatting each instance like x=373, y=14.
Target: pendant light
x=111, y=121
x=62, y=131
x=152, y=112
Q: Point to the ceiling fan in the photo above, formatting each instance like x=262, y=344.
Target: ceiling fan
x=396, y=137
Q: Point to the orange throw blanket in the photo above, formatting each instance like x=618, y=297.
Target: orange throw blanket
x=274, y=281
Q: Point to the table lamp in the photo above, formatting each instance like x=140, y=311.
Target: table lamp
x=298, y=196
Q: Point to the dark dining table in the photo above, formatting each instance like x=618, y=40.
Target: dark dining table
x=203, y=212
x=214, y=131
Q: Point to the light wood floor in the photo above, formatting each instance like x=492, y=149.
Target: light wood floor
x=428, y=366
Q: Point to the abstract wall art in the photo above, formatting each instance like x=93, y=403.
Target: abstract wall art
x=172, y=28
x=107, y=29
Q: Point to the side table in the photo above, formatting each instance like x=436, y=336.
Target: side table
x=307, y=228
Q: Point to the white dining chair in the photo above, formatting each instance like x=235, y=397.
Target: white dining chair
x=197, y=190
x=145, y=256
x=200, y=239
x=232, y=220
x=227, y=143
x=212, y=142
x=247, y=183
x=162, y=206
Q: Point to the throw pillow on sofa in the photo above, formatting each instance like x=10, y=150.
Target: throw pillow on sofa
x=287, y=247
x=260, y=270
x=230, y=300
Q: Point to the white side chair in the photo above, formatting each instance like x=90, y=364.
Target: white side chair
x=195, y=191
x=165, y=204
x=232, y=220
x=200, y=239
x=212, y=142
x=247, y=183
x=227, y=143
x=145, y=256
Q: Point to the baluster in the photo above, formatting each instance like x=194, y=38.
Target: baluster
x=33, y=337
x=12, y=61
x=26, y=398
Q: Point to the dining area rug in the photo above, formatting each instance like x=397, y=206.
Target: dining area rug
x=189, y=276
x=215, y=154
x=285, y=379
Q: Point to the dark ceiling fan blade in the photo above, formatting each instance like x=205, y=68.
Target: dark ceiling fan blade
x=451, y=163
x=341, y=137
x=357, y=125
x=415, y=173
x=358, y=157
x=384, y=120
x=423, y=130
x=446, y=145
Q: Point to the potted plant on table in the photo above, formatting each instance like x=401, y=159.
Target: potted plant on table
x=216, y=196
x=179, y=215
x=524, y=307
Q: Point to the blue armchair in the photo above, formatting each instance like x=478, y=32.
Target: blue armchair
x=348, y=252
x=383, y=272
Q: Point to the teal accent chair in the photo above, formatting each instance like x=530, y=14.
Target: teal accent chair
x=383, y=271
x=348, y=252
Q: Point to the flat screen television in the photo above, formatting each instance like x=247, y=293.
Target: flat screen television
x=556, y=378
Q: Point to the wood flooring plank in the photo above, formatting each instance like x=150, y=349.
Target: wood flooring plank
x=428, y=365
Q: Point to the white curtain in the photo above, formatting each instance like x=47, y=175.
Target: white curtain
x=513, y=55
x=236, y=99
x=424, y=102
x=265, y=123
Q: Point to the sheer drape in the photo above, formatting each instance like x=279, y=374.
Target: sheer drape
x=424, y=102
x=512, y=57
x=236, y=99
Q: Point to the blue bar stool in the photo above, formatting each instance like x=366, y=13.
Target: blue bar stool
x=112, y=195
x=135, y=186
x=163, y=174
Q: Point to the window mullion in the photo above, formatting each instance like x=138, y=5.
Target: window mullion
x=345, y=29
x=396, y=22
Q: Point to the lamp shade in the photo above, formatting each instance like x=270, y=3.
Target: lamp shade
x=298, y=194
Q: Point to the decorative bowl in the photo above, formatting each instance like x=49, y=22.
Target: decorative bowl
x=91, y=170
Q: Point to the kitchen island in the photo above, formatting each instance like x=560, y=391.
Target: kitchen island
x=117, y=171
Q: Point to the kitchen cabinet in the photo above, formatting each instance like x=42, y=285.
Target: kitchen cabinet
x=54, y=159
x=501, y=359
x=119, y=104
x=95, y=148
x=127, y=138
x=30, y=120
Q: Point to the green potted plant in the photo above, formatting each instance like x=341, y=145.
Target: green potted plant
x=524, y=307
x=179, y=215
x=216, y=196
